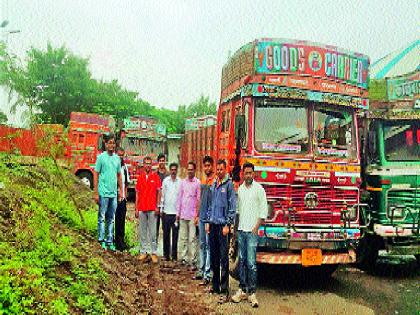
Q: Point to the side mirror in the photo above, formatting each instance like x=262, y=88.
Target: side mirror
x=101, y=143
x=240, y=127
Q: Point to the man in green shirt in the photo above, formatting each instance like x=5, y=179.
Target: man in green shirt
x=107, y=187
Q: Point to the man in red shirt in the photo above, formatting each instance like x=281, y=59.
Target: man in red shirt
x=147, y=201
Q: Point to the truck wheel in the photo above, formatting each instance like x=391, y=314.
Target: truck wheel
x=234, y=259
x=367, y=252
x=86, y=178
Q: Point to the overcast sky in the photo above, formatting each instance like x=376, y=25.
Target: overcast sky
x=170, y=52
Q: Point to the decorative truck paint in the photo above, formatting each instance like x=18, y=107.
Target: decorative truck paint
x=299, y=101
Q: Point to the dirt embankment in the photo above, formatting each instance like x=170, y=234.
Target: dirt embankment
x=51, y=262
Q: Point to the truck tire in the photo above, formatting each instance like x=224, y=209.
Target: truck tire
x=367, y=252
x=234, y=259
x=86, y=178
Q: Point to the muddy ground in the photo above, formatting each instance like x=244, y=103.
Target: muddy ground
x=393, y=289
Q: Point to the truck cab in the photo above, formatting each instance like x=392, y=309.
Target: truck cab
x=391, y=181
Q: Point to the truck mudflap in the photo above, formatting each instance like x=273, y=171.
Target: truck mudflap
x=298, y=259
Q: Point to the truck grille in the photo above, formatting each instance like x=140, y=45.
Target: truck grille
x=409, y=198
x=330, y=203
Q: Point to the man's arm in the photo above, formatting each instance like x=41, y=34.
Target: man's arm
x=119, y=178
x=262, y=198
x=231, y=204
x=179, y=200
x=95, y=186
x=98, y=167
x=197, y=204
x=127, y=180
x=163, y=192
x=159, y=194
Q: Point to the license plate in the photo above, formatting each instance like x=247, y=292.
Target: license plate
x=314, y=236
x=311, y=257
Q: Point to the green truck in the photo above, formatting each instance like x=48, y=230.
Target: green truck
x=391, y=172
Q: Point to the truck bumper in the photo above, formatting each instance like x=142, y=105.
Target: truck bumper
x=396, y=250
x=296, y=258
x=400, y=230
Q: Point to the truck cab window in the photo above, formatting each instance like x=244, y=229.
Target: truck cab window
x=402, y=141
x=334, y=133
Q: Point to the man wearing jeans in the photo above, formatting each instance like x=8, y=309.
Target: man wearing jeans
x=204, y=270
x=147, y=201
x=108, y=175
x=219, y=218
x=252, y=210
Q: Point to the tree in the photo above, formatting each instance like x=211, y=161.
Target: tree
x=51, y=85
x=3, y=118
x=202, y=107
x=54, y=82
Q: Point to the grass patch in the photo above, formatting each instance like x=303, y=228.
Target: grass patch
x=44, y=267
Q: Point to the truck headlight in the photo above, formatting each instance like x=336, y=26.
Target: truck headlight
x=352, y=211
x=397, y=211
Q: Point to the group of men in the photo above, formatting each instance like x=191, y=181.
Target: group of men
x=201, y=214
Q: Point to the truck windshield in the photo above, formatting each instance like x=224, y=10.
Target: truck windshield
x=281, y=127
x=402, y=141
x=334, y=133
x=141, y=146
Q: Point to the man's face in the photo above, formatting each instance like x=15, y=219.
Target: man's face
x=221, y=171
x=249, y=175
x=190, y=171
x=161, y=162
x=110, y=145
x=208, y=168
x=174, y=171
x=147, y=165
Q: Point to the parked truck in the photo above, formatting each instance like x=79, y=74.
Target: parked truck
x=83, y=141
x=198, y=141
x=290, y=108
x=141, y=136
x=391, y=172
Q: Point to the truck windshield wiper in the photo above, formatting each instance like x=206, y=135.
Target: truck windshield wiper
x=288, y=138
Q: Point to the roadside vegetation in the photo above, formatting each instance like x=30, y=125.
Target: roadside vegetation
x=43, y=265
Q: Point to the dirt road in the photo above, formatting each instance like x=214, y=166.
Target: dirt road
x=349, y=291
x=394, y=289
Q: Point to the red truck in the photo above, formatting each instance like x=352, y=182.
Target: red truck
x=198, y=141
x=290, y=108
x=141, y=136
x=30, y=142
x=85, y=143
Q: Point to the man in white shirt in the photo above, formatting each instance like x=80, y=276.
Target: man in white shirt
x=170, y=189
x=252, y=210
